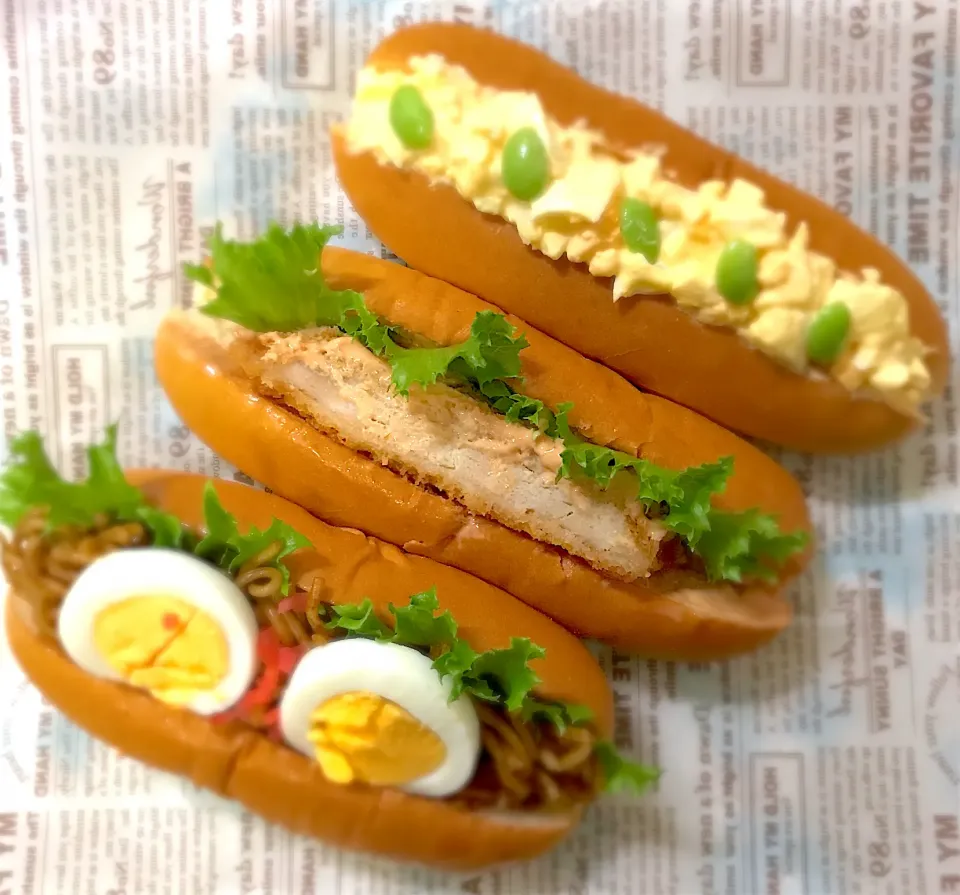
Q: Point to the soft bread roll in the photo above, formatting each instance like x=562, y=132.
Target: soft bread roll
x=282, y=785
x=651, y=341
x=669, y=615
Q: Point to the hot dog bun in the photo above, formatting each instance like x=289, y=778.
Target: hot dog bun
x=653, y=342
x=282, y=785
x=669, y=615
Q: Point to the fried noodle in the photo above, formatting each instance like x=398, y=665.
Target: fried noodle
x=523, y=765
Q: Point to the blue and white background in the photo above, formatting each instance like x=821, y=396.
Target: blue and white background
x=828, y=762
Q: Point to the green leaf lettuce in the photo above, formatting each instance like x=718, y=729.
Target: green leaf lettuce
x=499, y=676
x=502, y=676
x=275, y=283
x=621, y=774
x=29, y=481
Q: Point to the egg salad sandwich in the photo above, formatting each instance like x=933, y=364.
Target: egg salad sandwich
x=381, y=399
x=327, y=681
x=483, y=162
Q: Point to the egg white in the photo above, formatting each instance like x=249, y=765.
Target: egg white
x=158, y=572
x=400, y=674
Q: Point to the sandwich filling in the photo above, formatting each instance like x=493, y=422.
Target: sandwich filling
x=718, y=249
x=401, y=701
x=446, y=439
x=452, y=418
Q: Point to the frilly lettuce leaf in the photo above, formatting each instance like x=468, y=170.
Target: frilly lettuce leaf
x=490, y=354
x=501, y=676
x=519, y=408
x=29, y=481
x=229, y=549
x=748, y=544
x=621, y=774
x=732, y=545
x=561, y=714
x=166, y=530
x=417, y=623
x=504, y=675
x=454, y=662
x=275, y=283
x=360, y=620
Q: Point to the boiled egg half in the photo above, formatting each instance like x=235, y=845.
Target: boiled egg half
x=166, y=622
x=378, y=713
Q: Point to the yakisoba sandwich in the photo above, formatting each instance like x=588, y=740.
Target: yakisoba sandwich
x=325, y=680
x=481, y=161
x=379, y=398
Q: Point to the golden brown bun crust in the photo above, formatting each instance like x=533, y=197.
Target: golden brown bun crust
x=650, y=340
x=282, y=785
x=672, y=615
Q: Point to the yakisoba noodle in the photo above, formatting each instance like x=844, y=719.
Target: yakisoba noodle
x=531, y=766
x=40, y=566
x=522, y=765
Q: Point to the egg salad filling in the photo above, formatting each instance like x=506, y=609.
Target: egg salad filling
x=214, y=624
x=718, y=249
x=452, y=418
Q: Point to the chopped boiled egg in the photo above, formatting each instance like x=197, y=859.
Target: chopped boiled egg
x=163, y=621
x=583, y=194
x=378, y=713
x=570, y=218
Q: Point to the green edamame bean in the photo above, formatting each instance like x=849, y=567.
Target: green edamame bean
x=828, y=332
x=411, y=118
x=737, y=272
x=640, y=228
x=524, y=164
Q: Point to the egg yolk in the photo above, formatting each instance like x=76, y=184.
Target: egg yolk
x=363, y=737
x=164, y=645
